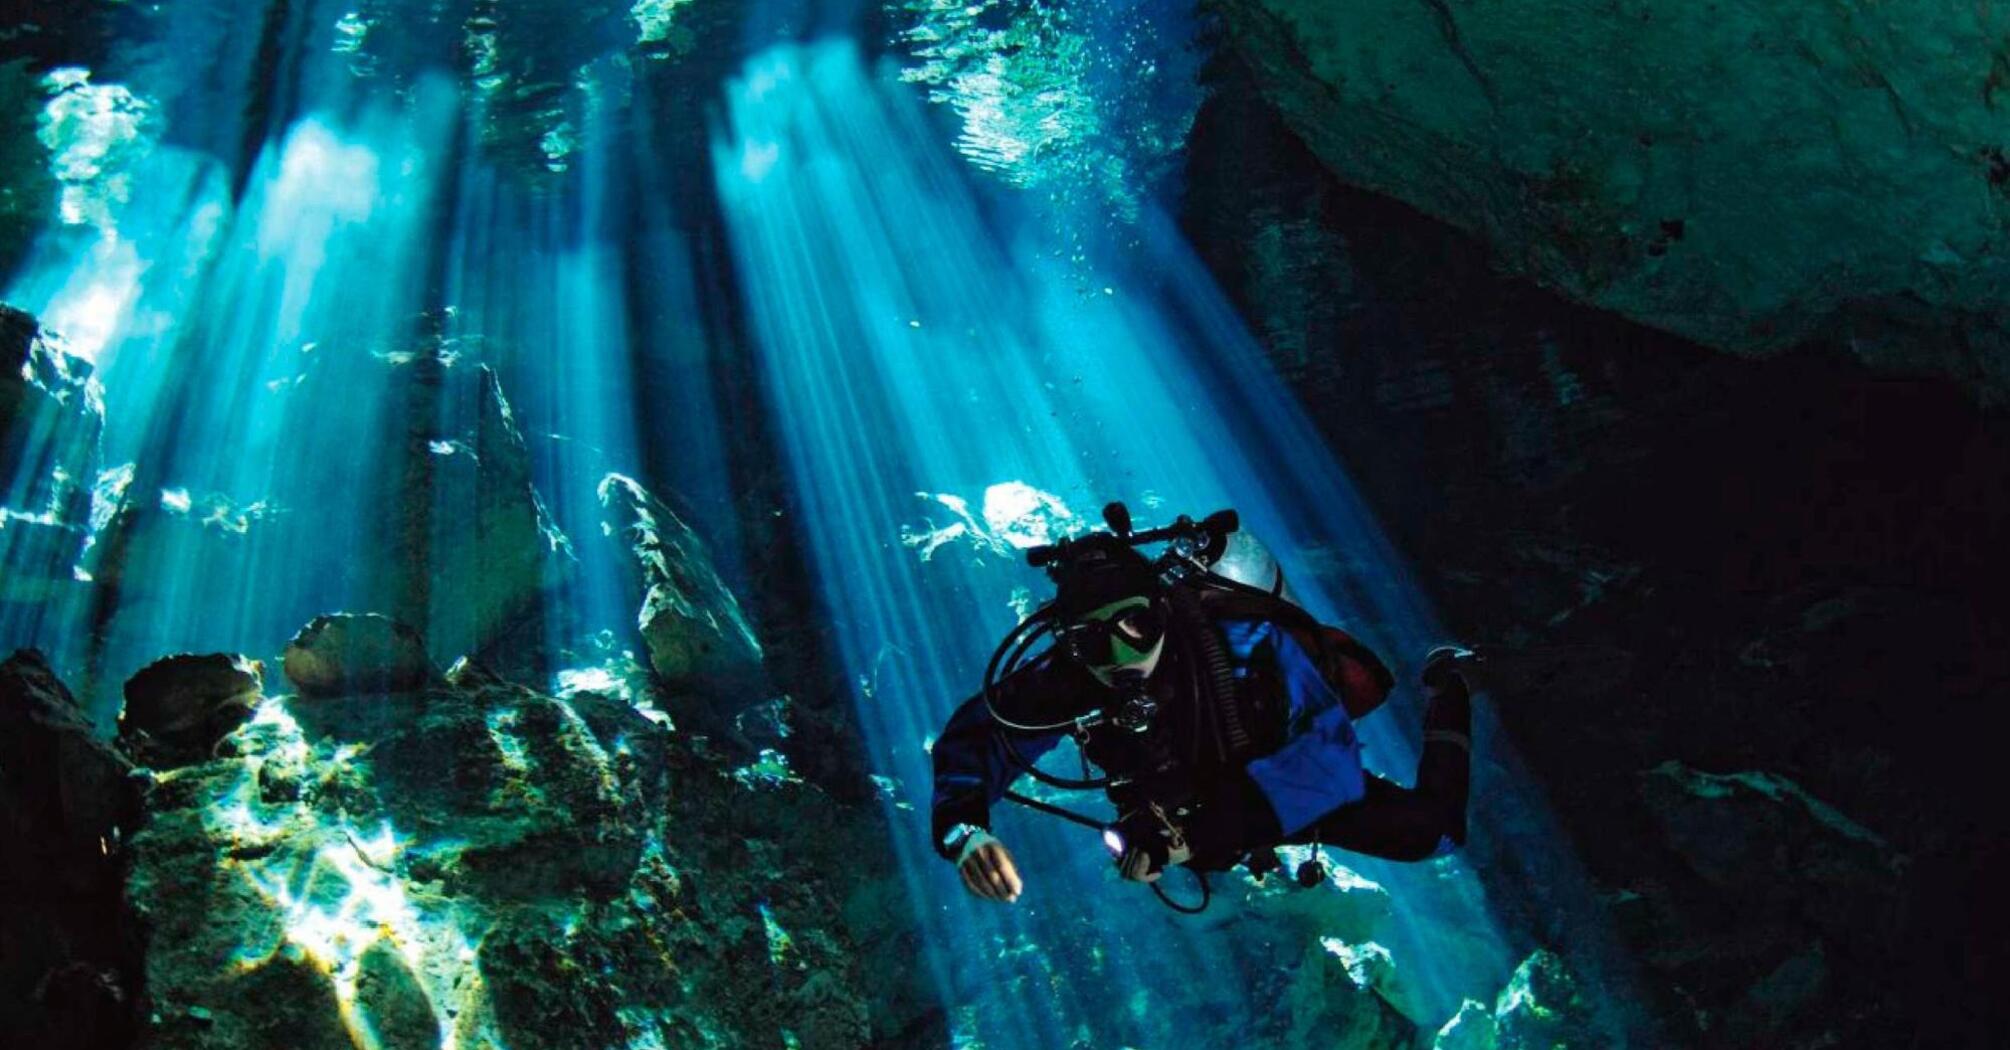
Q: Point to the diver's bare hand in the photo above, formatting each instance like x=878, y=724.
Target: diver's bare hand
x=987, y=868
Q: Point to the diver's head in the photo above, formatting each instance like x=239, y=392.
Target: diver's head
x=1111, y=610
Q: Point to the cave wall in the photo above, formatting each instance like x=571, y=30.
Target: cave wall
x=1749, y=174
x=1740, y=613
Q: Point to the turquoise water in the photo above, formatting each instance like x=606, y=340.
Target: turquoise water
x=934, y=268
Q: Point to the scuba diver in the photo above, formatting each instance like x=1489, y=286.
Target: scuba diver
x=1219, y=714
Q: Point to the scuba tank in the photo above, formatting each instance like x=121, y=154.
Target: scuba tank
x=1211, y=571
x=1245, y=560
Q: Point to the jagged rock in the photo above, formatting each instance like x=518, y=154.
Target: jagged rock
x=1472, y=1028
x=1543, y=1007
x=60, y=776
x=1736, y=177
x=178, y=708
x=434, y=522
x=690, y=621
x=1333, y=1002
x=1778, y=849
x=51, y=415
x=477, y=546
x=348, y=654
x=65, y=799
x=490, y=865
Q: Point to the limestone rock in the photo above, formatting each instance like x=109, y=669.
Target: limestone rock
x=1777, y=848
x=51, y=415
x=424, y=511
x=1334, y=1003
x=65, y=801
x=492, y=864
x=1543, y=1007
x=178, y=708
x=1746, y=177
x=475, y=542
x=40, y=553
x=690, y=621
x=347, y=654
x=58, y=774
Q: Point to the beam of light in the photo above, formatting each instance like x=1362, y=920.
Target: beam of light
x=921, y=345
x=246, y=328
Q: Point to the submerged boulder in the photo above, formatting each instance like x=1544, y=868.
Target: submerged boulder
x=471, y=535
x=1779, y=849
x=691, y=623
x=1543, y=1007
x=178, y=708
x=1743, y=177
x=346, y=654
x=66, y=799
x=490, y=866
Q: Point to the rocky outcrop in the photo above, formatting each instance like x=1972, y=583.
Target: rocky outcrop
x=690, y=621
x=51, y=415
x=497, y=867
x=67, y=977
x=470, y=530
x=347, y=654
x=1668, y=553
x=435, y=523
x=178, y=709
x=1543, y=1007
x=1741, y=175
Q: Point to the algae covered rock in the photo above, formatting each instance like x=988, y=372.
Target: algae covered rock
x=491, y=867
x=690, y=621
x=179, y=707
x=343, y=654
x=1742, y=174
x=1334, y=1002
x=1543, y=1007
x=67, y=974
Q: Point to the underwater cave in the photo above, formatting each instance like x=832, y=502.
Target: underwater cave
x=699, y=523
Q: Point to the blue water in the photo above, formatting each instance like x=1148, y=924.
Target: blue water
x=931, y=340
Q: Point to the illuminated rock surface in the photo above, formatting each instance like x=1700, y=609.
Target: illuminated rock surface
x=1542, y=1007
x=1743, y=174
x=691, y=623
x=51, y=414
x=488, y=867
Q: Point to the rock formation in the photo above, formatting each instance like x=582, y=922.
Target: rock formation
x=491, y=865
x=691, y=623
x=1745, y=175
x=348, y=654
x=69, y=974
x=177, y=709
x=1773, y=573
x=51, y=415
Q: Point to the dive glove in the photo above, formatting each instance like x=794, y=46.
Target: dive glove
x=1144, y=842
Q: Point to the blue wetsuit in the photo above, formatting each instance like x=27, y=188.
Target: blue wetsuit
x=1300, y=778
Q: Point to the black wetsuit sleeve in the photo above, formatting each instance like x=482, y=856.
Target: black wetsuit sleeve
x=972, y=768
